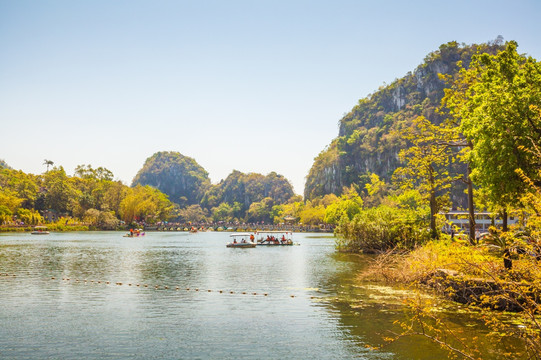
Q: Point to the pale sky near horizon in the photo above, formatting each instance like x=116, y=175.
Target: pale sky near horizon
x=256, y=86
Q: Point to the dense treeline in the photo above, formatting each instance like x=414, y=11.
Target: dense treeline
x=91, y=196
x=170, y=186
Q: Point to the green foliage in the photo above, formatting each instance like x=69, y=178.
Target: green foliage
x=101, y=219
x=244, y=190
x=193, y=213
x=261, y=211
x=496, y=102
x=29, y=217
x=5, y=214
x=381, y=228
x=223, y=212
x=369, y=139
x=144, y=203
x=347, y=206
x=178, y=176
x=87, y=172
x=426, y=163
x=312, y=214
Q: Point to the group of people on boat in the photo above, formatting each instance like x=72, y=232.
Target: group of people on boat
x=136, y=232
x=243, y=240
x=271, y=239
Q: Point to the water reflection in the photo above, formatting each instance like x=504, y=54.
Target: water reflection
x=314, y=308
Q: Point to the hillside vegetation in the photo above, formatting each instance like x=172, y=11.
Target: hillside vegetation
x=369, y=140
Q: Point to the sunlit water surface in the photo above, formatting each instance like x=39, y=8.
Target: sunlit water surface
x=292, y=302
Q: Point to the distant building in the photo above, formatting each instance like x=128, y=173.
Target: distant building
x=483, y=220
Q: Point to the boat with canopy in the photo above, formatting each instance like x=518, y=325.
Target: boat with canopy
x=242, y=240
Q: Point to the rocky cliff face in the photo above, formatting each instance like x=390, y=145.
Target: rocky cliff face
x=369, y=135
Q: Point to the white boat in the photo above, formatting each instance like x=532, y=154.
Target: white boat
x=242, y=240
x=274, y=238
x=40, y=230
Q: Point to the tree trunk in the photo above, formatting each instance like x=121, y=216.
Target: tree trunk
x=507, y=262
x=433, y=206
x=504, y=220
x=471, y=209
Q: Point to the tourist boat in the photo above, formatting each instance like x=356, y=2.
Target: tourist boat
x=274, y=238
x=135, y=233
x=242, y=240
x=40, y=230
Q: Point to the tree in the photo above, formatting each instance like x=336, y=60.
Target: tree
x=193, y=213
x=145, y=203
x=426, y=164
x=261, y=211
x=60, y=194
x=346, y=206
x=496, y=100
x=48, y=163
x=87, y=172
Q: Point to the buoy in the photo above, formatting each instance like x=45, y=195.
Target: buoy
x=137, y=285
x=146, y=285
x=292, y=296
x=129, y=284
x=265, y=294
x=244, y=293
x=221, y=291
x=231, y=292
x=166, y=287
x=209, y=290
x=177, y=288
x=99, y=282
x=187, y=289
x=53, y=278
x=254, y=293
x=107, y=282
x=196, y=289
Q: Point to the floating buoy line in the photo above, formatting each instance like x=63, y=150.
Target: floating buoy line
x=161, y=287
x=157, y=287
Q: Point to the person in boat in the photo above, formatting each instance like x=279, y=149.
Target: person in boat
x=131, y=232
x=252, y=237
x=234, y=241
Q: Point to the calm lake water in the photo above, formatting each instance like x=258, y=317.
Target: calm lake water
x=314, y=307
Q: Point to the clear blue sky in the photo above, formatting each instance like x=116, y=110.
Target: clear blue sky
x=256, y=86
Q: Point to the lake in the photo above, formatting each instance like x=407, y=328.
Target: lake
x=176, y=295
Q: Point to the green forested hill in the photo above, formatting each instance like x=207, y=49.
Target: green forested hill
x=369, y=135
x=178, y=176
x=240, y=196
x=246, y=189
